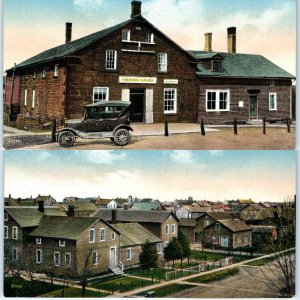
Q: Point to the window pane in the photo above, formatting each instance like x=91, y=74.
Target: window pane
x=223, y=100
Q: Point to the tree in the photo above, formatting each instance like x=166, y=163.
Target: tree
x=148, y=256
x=185, y=245
x=173, y=251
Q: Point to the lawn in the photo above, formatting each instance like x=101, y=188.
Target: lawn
x=122, y=284
x=207, y=256
x=215, y=276
x=74, y=293
x=17, y=287
x=157, y=273
x=167, y=290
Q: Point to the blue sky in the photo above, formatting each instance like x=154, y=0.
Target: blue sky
x=263, y=26
x=166, y=175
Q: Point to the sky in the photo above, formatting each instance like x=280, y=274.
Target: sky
x=263, y=26
x=164, y=175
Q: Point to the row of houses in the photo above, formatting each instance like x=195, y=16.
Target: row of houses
x=135, y=61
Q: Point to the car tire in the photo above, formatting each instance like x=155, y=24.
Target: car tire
x=66, y=139
x=122, y=137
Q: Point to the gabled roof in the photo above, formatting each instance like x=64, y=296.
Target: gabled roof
x=81, y=206
x=134, y=234
x=197, y=208
x=43, y=198
x=218, y=215
x=134, y=216
x=241, y=65
x=103, y=201
x=265, y=213
x=146, y=205
x=234, y=225
x=30, y=216
x=187, y=222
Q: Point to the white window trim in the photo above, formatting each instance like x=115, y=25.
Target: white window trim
x=96, y=260
x=13, y=229
x=38, y=241
x=62, y=243
x=151, y=38
x=167, y=229
x=25, y=97
x=56, y=71
x=113, y=236
x=34, y=74
x=275, y=99
x=5, y=216
x=104, y=234
x=33, y=99
x=70, y=261
x=44, y=73
x=41, y=256
x=100, y=87
x=217, y=100
x=159, y=247
x=174, y=111
x=6, y=232
x=128, y=35
x=128, y=251
x=56, y=264
x=115, y=60
x=93, y=240
x=173, y=230
x=160, y=64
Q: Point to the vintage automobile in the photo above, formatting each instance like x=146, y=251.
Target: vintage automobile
x=104, y=119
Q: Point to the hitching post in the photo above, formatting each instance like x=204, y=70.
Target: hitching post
x=264, y=125
x=166, y=127
x=202, y=128
x=235, y=126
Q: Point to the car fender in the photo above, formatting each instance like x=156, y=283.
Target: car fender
x=66, y=129
x=124, y=126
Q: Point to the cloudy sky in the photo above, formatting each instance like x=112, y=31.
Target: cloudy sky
x=266, y=27
x=163, y=175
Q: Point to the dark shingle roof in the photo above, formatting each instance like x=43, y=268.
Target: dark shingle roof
x=241, y=65
x=81, y=206
x=220, y=215
x=146, y=205
x=187, y=222
x=235, y=225
x=135, y=234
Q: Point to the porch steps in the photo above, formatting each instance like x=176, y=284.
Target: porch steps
x=117, y=271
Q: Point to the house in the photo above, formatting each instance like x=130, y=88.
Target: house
x=228, y=234
x=132, y=61
x=262, y=235
x=162, y=224
x=106, y=203
x=249, y=212
x=81, y=209
x=133, y=237
x=220, y=207
x=191, y=228
x=48, y=200
x=191, y=211
x=74, y=246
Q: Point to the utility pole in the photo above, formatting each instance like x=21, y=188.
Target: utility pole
x=12, y=93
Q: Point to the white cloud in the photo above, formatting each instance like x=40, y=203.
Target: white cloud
x=102, y=157
x=88, y=3
x=182, y=156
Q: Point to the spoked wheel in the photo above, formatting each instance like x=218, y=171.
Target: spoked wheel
x=66, y=139
x=122, y=137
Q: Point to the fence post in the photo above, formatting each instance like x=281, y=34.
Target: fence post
x=264, y=125
x=202, y=128
x=53, y=130
x=235, y=126
x=288, y=123
x=166, y=127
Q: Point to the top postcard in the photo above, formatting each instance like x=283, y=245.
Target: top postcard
x=152, y=74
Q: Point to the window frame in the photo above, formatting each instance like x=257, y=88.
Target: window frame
x=275, y=101
x=5, y=216
x=173, y=229
x=34, y=74
x=108, y=61
x=96, y=258
x=102, y=236
x=129, y=251
x=62, y=243
x=151, y=35
x=127, y=32
x=14, y=230
x=99, y=88
x=38, y=241
x=33, y=99
x=58, y=253
x=6, y=232
x=167, y=229
x=219, y=62
x=162, y=66
x=159, y=248
x=113, y=235
x=93, y=240
x=41, y=256
x=44, y=73
x=218, y=226
x=174, y=111
x=70, y=261
x=218, y=92
x=56, y=71
x=25, y=97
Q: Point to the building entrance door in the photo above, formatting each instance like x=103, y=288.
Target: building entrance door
x=113, y=257
x=137, y=108
x=253, y=106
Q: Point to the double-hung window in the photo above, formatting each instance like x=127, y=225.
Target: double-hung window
x=55, y=70
x=68, y=259
x=39, y=256
x=33, y=99
x=128, y=254
x=162, y=62
x=217, y=100
x=167, y=228
x=149, y=37
x=173, y=228
x=170, y=100
x=57, y=259
x=111, y=60
x=100, y=93
x=126, y=35
x=44, y=73
x=102, y=234
x=92, y=235
x=25, y=97
x=6, y=232
x=15, y=233
x=272, y=101
x=94, y=258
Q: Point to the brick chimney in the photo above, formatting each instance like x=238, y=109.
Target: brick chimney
x=113, y=216
x=136, y=8
x=71, y=211
x=68, y=32
x=231, y=39
x=41, y=206
x=208, y=42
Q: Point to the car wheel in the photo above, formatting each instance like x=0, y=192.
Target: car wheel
x=122, y=137
x=66, y=139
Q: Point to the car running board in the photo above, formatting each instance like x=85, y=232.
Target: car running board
x=95, y=135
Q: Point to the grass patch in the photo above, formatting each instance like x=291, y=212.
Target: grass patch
x=157, y=273
x=167, y=290
x=207, y=256
x=215, y=276
x=74, y=293
x=186, y=265
x=261, y=262
x=121, y=285
x=18, y=287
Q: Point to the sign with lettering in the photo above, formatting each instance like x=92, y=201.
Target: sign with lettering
x=170, y=81
x=137, y=79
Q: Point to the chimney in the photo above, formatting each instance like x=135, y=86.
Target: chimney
x=113, y=216
x=208, y=42
x=136, y=8
x=126, y=206
x=68, y=32
x=41, y=206
x=71, y=210
x=231, y=39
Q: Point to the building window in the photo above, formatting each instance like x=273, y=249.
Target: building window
x=159, y=248
x=162, y=62
x=62, y=243
x=44, y=73
x=149, y=37
x=57, y=259
x=34, y=74
x=217, y=66
x=15, y=233
x=128, y=254
x=68, y=259
x=26, y=75
x=102, y=234
x=6, y=232
x=25, y=97
x=94, y=258
x=92, y=236
x=217, y=100
x=170, y=100
x=33, y=98
x=56, y=71
x=111, y=60
x=39, y=256
x=5, y=216
x=217, y=226
x=113, y=235
x=100, y=93
x=206, y=223
x=173, y=228
x=126, y=35
x=272, y=101
x=167, y=228
x=38, y=241
x=14, y=253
